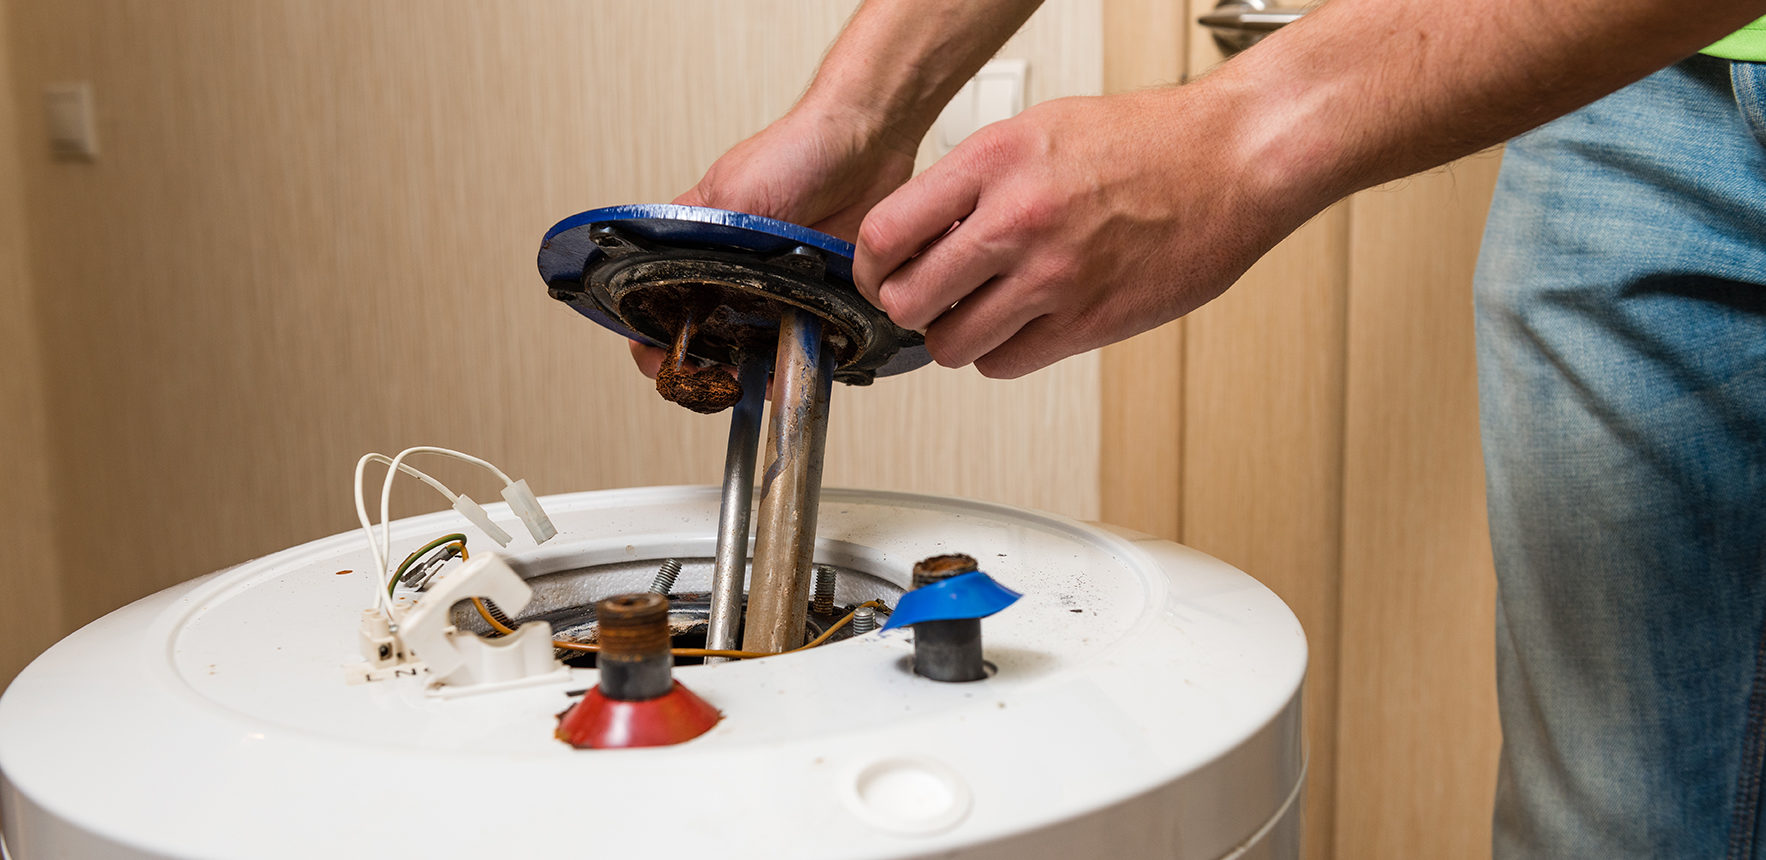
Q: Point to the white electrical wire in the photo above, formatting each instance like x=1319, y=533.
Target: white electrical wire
x=384, y=460
x=383, y=546
x=382, y=599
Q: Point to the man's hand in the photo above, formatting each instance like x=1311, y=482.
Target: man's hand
x=823, y=171
x=1084, y=221
x=1078, y=223
x=818, y=170
x=851, y=140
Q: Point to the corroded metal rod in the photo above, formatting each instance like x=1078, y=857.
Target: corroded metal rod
x=791, y=487
x=634, y=661
x=732, y=520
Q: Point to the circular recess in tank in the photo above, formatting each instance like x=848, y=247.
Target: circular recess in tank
x=565, y=591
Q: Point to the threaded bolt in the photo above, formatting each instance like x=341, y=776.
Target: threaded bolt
x=941, y=567
x=864, y=620
x=822, y=601
x=635, y=662
x=665, y=577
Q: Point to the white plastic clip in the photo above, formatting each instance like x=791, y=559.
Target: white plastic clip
x=459, y=659
x=470, y=510
x=526, y=506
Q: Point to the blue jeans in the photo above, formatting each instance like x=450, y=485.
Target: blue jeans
x=1621, y=306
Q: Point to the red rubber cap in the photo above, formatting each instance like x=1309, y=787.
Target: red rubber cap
x=598, y=722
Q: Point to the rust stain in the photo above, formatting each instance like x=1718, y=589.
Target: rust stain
x=345, y=572
x=633, y=625
x=706, y=390
x=942, y=567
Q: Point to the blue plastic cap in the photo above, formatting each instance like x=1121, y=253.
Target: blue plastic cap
x=966, y=595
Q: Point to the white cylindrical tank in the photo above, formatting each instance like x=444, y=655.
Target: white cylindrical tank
x=1145, y=703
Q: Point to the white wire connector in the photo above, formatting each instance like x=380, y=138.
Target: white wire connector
x=471, y=510
x=521, y=502
x=526, y=506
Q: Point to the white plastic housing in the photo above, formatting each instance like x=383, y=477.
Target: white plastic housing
x=1146, y=704
x=475, y=514
x=523, y=503
x=459, y=662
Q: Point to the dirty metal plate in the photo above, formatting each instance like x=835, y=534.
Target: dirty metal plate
x=640, y=270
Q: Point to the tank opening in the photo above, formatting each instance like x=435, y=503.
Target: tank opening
x=688, y=621
x=564, y=595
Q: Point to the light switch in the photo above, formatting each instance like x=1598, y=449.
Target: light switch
x=995, y=93
x=957, y=120
x=72, y=131
x=999, y=91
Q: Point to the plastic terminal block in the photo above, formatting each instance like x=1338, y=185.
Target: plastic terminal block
x=458, y=659
x=522, y=501
x=380, y=648
x=471, y=511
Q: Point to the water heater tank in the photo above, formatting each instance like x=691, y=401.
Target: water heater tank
x=1143, y=701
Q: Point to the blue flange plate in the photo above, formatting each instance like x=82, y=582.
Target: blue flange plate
x=569, y=255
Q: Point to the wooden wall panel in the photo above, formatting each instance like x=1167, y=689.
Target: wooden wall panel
x=1417, y=731
x=30, y=614
x=1262, y=465
x=312, y=234
x=1263, y=442
x=1140, y=459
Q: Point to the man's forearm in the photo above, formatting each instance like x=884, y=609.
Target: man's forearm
x=1365, y=91
x=898, y=62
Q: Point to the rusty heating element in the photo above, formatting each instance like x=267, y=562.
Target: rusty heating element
x=790, y=491
x=706, y=390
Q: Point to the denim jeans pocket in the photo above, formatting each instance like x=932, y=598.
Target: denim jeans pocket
x=1749, y=81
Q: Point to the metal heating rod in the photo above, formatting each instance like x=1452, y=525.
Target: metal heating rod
x=791, y=487
x=732, y=520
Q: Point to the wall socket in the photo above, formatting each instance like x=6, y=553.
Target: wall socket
x=73, y=133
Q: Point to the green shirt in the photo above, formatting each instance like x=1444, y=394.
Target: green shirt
x=1748, y=43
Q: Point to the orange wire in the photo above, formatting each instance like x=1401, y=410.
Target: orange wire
x=505, y=629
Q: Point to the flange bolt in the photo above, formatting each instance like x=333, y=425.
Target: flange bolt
x=822, y=599
x=665, y=577
x=864, y=620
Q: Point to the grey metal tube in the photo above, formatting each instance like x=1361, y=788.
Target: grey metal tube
x=791, y=488
x=949, y=650
x=636, y=679
x=732, y=518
